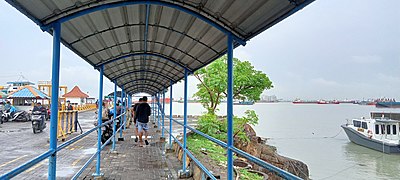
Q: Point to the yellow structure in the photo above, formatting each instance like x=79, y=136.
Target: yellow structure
x=66, y=123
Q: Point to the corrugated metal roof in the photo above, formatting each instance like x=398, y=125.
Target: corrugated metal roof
x=29, y=92
x=144, y=45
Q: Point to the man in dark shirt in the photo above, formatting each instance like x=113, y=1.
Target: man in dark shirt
x=143, y=111
x=134, y=107
x=42, y=110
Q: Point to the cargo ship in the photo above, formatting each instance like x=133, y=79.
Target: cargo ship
x=389, y=104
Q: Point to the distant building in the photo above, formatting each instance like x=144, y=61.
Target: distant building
x=266, y=98
x=76, y=96
x=14, y=86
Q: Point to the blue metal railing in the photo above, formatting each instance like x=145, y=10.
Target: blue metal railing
x=270, y=167
x=14, y=172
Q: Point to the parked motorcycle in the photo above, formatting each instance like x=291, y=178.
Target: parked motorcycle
x=38, y=121
x=106, y=131
x=17, y=116
x=1, y=116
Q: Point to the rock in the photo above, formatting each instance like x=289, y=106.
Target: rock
x=259, y=149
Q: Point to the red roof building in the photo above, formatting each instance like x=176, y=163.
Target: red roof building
x=75, y=93
x=76, y=96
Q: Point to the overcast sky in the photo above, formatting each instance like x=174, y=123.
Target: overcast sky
x=332, y=49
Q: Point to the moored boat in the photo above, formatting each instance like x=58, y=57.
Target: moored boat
x=378, y=133
x=388, y=104
x=298, y=101
x=243, y=103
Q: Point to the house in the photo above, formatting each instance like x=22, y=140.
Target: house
x=76, y=96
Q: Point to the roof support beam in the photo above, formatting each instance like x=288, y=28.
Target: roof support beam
x=153, y=81
x=147, y=54
x=147, y=2
x=155, y=88
x=142, y=90
x=146, y=71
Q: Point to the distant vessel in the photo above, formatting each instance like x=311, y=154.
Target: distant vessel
x=243, y=103
x=389, y=104
x=380, y=132
x=298, y=101
x=328, y=102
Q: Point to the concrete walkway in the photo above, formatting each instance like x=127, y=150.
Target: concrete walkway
x=130, y=161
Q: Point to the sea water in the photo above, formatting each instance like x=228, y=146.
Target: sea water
x=312, y=134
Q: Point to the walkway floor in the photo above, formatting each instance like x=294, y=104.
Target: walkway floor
x=134, y=162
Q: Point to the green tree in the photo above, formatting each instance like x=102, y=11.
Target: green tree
x=248, y=83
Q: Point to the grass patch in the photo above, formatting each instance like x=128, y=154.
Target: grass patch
x=215, y=152
x=246, y=175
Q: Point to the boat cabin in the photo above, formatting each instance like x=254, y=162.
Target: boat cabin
x=378, y=128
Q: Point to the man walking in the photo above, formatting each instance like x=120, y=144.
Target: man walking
x=143, y=111
x=135, y=118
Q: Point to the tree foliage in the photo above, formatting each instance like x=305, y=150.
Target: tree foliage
x=248, y=83
x=217, y=128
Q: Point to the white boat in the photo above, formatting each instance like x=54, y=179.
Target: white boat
x=380, y=132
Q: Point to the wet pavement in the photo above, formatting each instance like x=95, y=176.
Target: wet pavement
x=19, y=144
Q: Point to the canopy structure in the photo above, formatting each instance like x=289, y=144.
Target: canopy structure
x=144, y=46
x=28, y=92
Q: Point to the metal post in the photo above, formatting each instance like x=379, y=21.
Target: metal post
x=170, y=115
x=114, y=116
x=153, y=108
x=163, y=113
x=55, y=78
x=159, y=110
x=121, y=118
x=230, y=107
x=125, y=103
x=185, y=121
x=99, y=122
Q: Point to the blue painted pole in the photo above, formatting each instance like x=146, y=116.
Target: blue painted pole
x=121, y=121
x=115, y=115
x=170, y=115
x=125, y=103
x=163, y=113
x=230, y=107
x=99, y=118
x=55, y=78
x=184, y=120
x=159, y=111
x=152, y=107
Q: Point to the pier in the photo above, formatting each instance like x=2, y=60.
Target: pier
x=145, y=47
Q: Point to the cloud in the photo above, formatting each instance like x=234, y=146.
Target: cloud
x=242, y=54
x=368, y=59
x=324, y=82
x=388, y=78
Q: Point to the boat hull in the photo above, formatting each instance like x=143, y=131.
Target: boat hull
x=359, y=139
x=387, y=104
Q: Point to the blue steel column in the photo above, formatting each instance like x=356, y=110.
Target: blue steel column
x=152, y=108
x=158, y=111
x=125, y=104
x=99, y=122
x=163, y=113
x=184, y=120
x=170, y=115
x=115, y=115
x=55, y=78
x=230, y=107
x=121, y=118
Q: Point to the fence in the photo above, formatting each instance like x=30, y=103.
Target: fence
x=14, y=172
x=270, y=167
x=67, y=123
